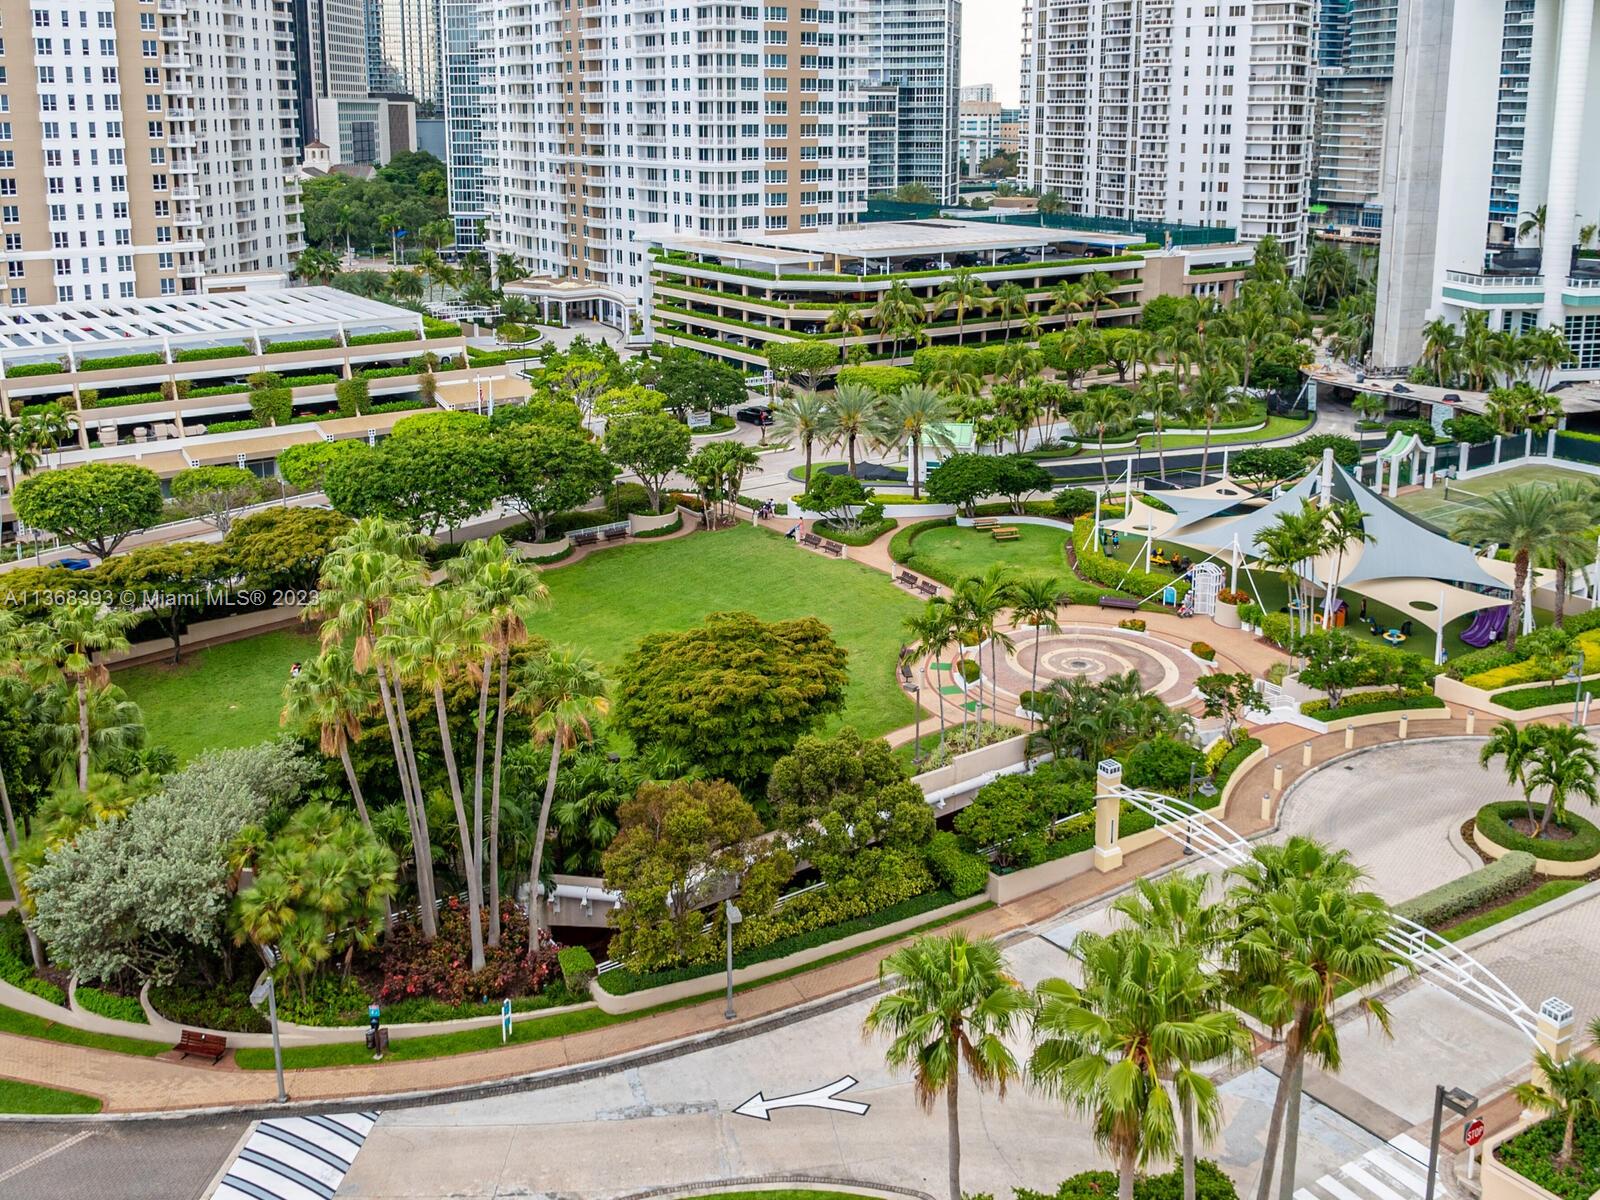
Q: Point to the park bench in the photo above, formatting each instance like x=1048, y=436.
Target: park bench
x=986, y=523
x=906, y=579
x=585, y=539
x=620, y=531
x=833, y=548
x=201, y=1045
x=1126, y=602
x=927, y=587
x=1005, y=533
x=811, y=540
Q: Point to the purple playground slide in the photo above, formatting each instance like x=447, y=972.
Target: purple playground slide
x=1489, y=624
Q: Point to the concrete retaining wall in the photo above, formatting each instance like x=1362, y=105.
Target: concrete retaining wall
x=644, y=523
x=1454, y=691
x=1500, y=1182
x=210, y=633
x=1545, y=866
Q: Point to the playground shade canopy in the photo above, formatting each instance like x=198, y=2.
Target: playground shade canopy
x=1421, y=598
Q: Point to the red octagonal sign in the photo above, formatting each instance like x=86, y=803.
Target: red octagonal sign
x=1474, y=1131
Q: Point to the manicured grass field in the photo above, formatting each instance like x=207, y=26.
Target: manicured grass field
x=229, y=695
x=607, y=602
x=27, y=1025
x=1542, y=894
x=950, y=553
x=17, y=1097
x=1276, y=427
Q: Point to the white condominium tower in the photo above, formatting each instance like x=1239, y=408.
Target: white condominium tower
x=1464, y=157
x=1172, y=110
x=914, y=46
x=144, y=146
x=713, y=119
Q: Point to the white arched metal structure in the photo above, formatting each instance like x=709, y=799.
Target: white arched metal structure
x=1439, y=962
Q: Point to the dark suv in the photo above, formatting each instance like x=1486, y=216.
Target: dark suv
x=1015, y=258
x=756, y=414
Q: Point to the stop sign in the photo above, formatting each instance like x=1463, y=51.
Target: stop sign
x=1473, y=1133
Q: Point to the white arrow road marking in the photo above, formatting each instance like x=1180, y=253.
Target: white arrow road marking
x=758, y=1106
x=49, y=1152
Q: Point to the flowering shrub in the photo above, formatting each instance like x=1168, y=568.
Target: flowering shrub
x=1203, y=650
x=1232, y=597
x=1134, y=623
x=441, y=969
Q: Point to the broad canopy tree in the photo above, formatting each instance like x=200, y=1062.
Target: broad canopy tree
x=652, y=446
x=425, y=482
x=96, y=506
x=217, y=495
x=546, y=470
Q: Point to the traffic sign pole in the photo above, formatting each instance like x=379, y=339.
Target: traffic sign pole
x=1473, y=1133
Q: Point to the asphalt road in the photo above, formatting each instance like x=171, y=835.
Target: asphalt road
x=125, y=1160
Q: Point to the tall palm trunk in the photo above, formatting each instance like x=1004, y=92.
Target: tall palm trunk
x=16, y=894
x=994, y=678
x=952, y=1103
x=1188, y=1147
x=1038, y=632
x=469, y=850
x=422, y=843
x=1293, y=1053
x=1127, y=1163
x=1519, y=595
x=1561, y=592
x=407, y=795
x=535, y=896
x=361, y=811
x=10, y=834
x=1291, y=1133
x=1205, y=453
x=808, y=462
x=916, y=467
x=494, y=806
x=1161, y=450
x=938, y=696
x=477, y=769
x=83, y=734
x=1105, y=479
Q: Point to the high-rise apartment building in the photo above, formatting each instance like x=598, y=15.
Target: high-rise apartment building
x=979, y=127
x=709, y=119
x=335, y=108
x=1355, y=65
x=1167, y=111
x=1495, y=113
x=404, y=51
x=915, y=47
x=468, y=70
x=144, y=146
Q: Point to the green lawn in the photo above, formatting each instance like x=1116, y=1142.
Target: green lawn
x=229, y=695
x=1542, y=894
x=607, y=602
x=27, y=1025
x=1276, y=427
x=17, y=1097
x=950, y=553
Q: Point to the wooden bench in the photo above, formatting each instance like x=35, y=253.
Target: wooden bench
x=201, y=1045
x=833, y=548
x=613, y=534
x=1005, y=533
x=585, y=539
x=986, y=523
x=811, y=540
x=906, y=579
x=1119, y=602
x=927, y=587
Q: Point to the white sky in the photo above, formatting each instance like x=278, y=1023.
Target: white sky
x=991, y=46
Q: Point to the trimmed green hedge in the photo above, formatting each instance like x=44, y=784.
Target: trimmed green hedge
x=1370, y=702
x=577, y=968
x=1536, y=697
x=1113, y=574
x=386, y=372
x=204, y=353
x=495, y=358
x=1242, y=749
x=1489, y=883
x=623, y=982
x=233, y=426
x=302, y=344
x=382, y=338
x=1584, y=844
x=1532, y=1155
x=900, y=548
x=432, y=327
x=16, y=964
x=106, y=1004
x=26, y=370
x=664, y=531
x=117, y=361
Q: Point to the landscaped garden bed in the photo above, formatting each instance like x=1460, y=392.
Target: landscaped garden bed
x=1366, y=703
x=1532, y=1155
x=1506, y=824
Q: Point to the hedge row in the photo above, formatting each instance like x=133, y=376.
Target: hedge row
x=203, y=353
x=493, y=358
x=386, y=372
x=623, y=982
x=382, y=338
x=1475, y=890
x=1113, y=574
x=115, y=362
x=864, y=536
x=1531, y=669
x=107, y=1004
x=1370, y=702
x=1583, y=844
x=16, y=964
x=25, y=370
x=302, y=344
x=900, y=548
x=1242, y=749
x=1520, y=699
x=432, y=327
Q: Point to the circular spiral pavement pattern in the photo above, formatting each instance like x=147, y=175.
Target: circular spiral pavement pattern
x=1094, y=652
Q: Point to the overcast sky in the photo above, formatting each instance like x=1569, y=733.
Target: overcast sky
x=991, y=45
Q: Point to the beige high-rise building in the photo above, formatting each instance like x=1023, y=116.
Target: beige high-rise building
x=615, y=117
x=145, y=145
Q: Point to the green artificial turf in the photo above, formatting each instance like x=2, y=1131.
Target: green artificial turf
x=228, y=695
x=18, y=1097
x=27, y=1025
x=1542, y=894
x=950, y=552
x=781, y=1194
x=607, y=602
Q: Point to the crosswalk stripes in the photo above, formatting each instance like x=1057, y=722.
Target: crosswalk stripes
x=1397, y=1170
x=296, y=1158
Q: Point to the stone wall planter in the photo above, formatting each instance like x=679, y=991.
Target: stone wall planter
x=1500, y=1182
x=644, y=523
x=1545, y=866
x=542, y=551
x=1226, y=616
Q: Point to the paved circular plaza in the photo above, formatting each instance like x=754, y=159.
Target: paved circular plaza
x=1096, y=653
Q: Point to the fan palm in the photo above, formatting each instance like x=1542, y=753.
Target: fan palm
x=1305, y=934
x=1520, y=519
x=508, y=593
x=564, y=694
x=63, y=647
x=955, y=1004
x=918, y=417
x=1570, y=1090
x=804, y=418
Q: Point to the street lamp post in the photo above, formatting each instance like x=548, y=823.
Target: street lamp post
x=1457, y=1101
x=732, y=916
x=1576, y=675
x=265, y=990
x=916, y=745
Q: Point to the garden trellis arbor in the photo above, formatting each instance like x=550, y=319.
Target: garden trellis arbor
x=1437, y=961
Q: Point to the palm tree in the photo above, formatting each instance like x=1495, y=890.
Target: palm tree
x=372, y=564
x=957, y=374
x=1516, y=745
x=564, y=693
x=1033, y=602
x=1099, y=289
x=1441, y=350
x=848, y=418
x=1068, y=297
x=1547, y=350
x=804, y=418
x=1161, y=397
x=1102, y=1046
x=508, y=592
x=955, y=1004
x=63, y=647
x=1519, y=519
x=932, y=629
x=330, y=696
x=846, y=319
x=1212, y=399
x=1571, y=1090
x=980, y=600
x=1571, y=548
x=895, y=310
x=1287, y=546
x=1009, y=300
x=915, y=416
x=964, y=291
x=316, y=265
x=1563, y=760
x=1305, y=935
x=1104, y=410
x=1532, y=225
x=1342, y=527
x=432, y=636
